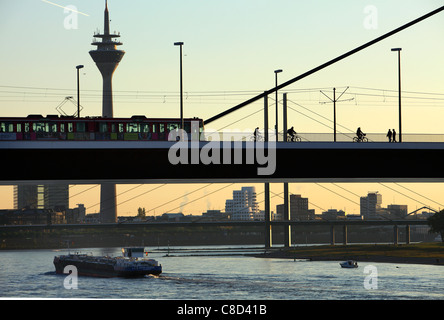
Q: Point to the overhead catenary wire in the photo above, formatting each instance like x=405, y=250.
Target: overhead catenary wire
x=140, y=96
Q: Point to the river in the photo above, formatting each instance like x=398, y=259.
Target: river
x=222, y=273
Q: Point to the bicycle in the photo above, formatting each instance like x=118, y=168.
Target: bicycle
x=258, y=137
x=294, y=138
x=360, y=139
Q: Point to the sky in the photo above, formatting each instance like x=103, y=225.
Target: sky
x=231, y=49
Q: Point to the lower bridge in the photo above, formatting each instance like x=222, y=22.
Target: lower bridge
x=332, y=224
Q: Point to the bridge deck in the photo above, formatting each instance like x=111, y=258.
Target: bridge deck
x=148, y=161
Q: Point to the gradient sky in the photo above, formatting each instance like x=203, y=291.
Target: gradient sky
x=231, y=49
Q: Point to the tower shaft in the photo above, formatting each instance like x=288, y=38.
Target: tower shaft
x=107, y=58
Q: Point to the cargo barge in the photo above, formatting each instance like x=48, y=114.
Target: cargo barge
x=133, y=263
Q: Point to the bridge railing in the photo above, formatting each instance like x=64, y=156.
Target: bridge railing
x=319, y=137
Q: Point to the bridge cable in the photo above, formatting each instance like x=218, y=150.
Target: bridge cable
x=314, y=70
x=403, y=194
x=440, y=204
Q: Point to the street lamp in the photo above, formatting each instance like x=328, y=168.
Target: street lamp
x=78, y=90
x=399, y=89
x=276, y=82
x=180, y=44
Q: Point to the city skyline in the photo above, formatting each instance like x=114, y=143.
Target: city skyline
x=193, y=201
x=230, y=52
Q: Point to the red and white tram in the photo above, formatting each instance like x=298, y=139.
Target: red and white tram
x=54, y=127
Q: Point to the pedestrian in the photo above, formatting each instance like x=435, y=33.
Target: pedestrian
x=394, y=136
x=389, y=135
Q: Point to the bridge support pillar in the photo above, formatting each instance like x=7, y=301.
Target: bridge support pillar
x=268, y=229
x=344, y=235
x=332, y=235
x=395, y=235
x=108, y=203
x=407, y=234
x=287, y=228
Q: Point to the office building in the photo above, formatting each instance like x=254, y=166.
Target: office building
x=244, y=205
x=371, y=205
x=49, y=196
x=298, y=207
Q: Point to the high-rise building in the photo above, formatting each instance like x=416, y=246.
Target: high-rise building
x=371, y=205
x=25, y=196
x=56, y=196
x=244, y=205
x=107, y=58
x=397, y=210
x=298, y=207
x=49, y=196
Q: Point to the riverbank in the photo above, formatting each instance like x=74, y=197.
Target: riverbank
x=431, y=253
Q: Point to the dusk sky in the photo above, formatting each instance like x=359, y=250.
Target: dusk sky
x=231, y=49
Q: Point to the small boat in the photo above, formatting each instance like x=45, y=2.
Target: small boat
x=349, y=264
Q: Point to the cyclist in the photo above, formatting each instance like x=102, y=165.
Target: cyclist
x=360, y=134
x=291, y=133
x=256, y=134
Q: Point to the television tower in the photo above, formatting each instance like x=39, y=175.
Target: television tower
x=107, y=57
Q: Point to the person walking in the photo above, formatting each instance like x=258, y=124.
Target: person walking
x=389, y=135
x=394, y=136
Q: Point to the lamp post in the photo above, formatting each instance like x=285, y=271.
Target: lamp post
x=180, y=44
x=399, y=89
x=78, y=90
x=276, y=82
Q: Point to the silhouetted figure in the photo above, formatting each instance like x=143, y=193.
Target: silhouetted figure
x=256, y=133
x=359, y=133
x=389, y=135
x=292, y=133
x=394, y=136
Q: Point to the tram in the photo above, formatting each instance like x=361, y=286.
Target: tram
x=55, y=127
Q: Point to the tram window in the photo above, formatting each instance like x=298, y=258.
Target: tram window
x=6, y=127
x=172, y=126
x=80, y=126
x=26, y=126
x=19, y=127
x=161, y=128
x=144, y=128
x=38, y=126
x=132, y=127
x=113, y=127
x=154, y=128
x=70, y=127
x=53, y=127
x=103, y=127
x=120, y=127
x=62, y=127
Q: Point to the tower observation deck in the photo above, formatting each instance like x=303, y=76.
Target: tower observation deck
x=107, y=58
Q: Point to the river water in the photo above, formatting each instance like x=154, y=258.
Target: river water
x=219, y=273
